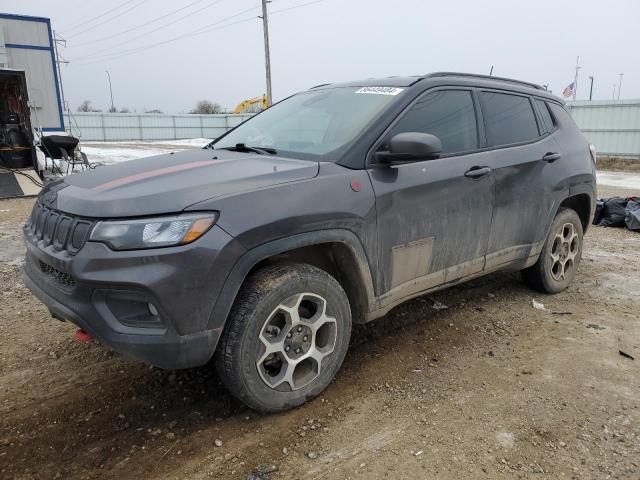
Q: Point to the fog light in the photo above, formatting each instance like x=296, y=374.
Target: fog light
x=152, y=309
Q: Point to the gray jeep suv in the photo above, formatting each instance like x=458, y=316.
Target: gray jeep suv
x=331, y=207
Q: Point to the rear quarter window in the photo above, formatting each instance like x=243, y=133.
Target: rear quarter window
x=561, y=117
x=508, y=118
x=546, y=116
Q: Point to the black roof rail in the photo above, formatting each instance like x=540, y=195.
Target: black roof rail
x=318, y=86
x=484, y=77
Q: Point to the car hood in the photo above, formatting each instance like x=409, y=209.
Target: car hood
x=170, y=183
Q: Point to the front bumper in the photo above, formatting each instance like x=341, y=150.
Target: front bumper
x=107, y=294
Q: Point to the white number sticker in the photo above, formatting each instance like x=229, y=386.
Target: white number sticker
x=380, y=90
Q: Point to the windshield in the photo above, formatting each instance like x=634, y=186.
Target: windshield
x=312, y=123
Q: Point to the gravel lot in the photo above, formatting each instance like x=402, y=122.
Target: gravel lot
x=489, y=387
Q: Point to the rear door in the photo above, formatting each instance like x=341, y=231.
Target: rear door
x=434, y=216
x=521, y=150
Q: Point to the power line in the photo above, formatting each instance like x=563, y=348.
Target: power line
x=109, y=19
x=205, y=29
x=149, y=23
x=295, y=6
x=161, y=27
x=84, y=22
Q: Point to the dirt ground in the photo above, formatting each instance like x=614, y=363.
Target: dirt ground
x=489, y=387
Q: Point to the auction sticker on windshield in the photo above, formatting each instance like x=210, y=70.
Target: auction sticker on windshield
x=380, y=90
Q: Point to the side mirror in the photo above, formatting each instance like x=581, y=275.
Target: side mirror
x=410, y=147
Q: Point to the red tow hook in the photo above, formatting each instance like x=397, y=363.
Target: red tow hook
x=82, y=336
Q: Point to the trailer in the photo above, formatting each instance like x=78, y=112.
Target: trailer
x=30, y=102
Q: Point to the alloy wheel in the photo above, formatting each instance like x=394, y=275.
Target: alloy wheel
x=295, y=340
x=565, y=248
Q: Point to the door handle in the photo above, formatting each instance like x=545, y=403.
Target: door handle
x=477, y=172
x=551, y=157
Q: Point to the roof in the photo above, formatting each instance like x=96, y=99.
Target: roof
x=376, y=82
x=459, y=78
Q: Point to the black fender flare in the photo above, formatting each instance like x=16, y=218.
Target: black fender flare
x=575, y=189
x=252, y=257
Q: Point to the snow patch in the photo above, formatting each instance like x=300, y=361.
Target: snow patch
x=619, y=179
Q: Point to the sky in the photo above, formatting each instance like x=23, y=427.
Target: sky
x=161, y=58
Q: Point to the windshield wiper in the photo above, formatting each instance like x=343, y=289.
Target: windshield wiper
x=241, y=147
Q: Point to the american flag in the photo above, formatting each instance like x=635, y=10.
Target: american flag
x=568, y=92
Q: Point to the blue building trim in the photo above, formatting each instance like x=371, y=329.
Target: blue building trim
x=27, y=47
x=26, y=18
x=55, y=73
x=50, y=48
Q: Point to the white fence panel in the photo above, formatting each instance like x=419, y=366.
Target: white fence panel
x=613, y=126
x=98, y=126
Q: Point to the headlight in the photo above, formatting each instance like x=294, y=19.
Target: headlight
x=152, y=232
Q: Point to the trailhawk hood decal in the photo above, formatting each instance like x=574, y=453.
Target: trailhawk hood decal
x=170, y=183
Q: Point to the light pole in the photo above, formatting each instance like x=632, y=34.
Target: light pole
x=591, y=89
x=620, y=84
x=113, y=109
x=267, y=59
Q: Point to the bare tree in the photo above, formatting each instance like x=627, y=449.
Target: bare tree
x=87, y=107
x=206, y=107
x=124, y=110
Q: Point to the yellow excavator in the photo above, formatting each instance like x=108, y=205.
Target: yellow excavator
x=252, y=105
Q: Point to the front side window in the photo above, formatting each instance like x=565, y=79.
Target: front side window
x=313, y=123
x=508, y=119
x=447, y=114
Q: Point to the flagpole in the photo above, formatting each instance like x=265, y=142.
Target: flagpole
x=575, y=79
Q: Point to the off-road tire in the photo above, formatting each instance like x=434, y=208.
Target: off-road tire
x=241, y=345
x=544, y=275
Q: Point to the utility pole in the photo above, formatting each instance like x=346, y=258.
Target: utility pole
x=491, y=71
x=620, y=84
x=113, y=109
x=267, y=57
x=591, y=89
x=58, y=40
x=575, y=79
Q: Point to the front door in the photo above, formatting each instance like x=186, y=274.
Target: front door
x=434, y=216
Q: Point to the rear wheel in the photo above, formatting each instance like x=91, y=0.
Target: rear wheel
x=559, y=259
x=286, y=337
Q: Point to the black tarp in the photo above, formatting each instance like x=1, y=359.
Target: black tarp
x=632, y=217
x=613, y=212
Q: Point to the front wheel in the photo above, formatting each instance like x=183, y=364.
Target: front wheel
x=285, y=338
x=559, y=259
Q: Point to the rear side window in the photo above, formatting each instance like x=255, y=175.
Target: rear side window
x=508, y=118
x=447, y=114
x=546, y=116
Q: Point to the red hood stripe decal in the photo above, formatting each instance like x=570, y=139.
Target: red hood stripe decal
x=118, y=182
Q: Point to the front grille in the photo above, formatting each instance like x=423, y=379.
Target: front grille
x=62, y=278
x=52, y=227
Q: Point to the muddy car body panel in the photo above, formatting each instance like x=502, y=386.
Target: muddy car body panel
x=387, y=231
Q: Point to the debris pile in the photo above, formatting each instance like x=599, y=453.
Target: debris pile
x=618, y=212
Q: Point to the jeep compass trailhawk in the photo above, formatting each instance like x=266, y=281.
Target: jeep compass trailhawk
x=331, y=207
